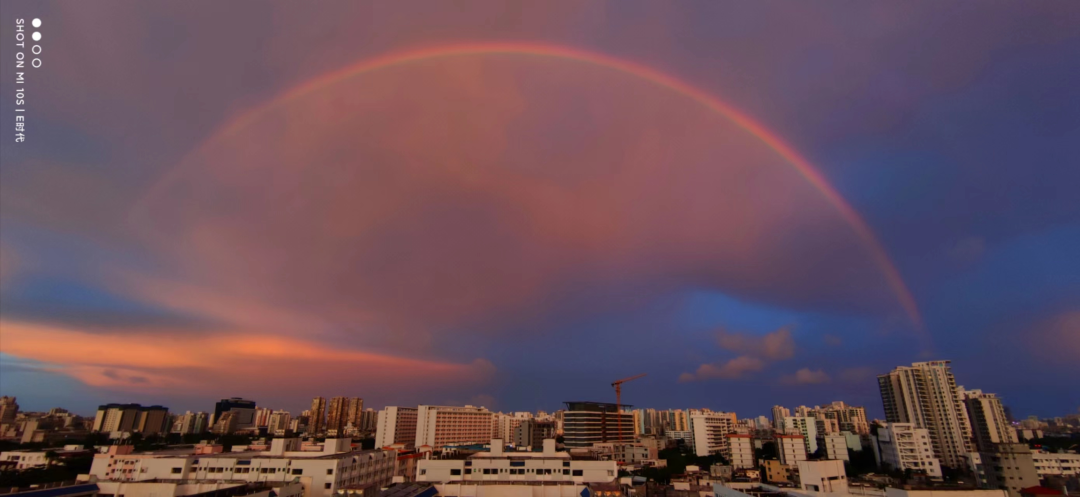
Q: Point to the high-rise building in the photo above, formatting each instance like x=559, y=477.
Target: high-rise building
x=8, y=409
x=1010, y=467
x=926, y=395
x=586, y=423
x=243, y=412
x=317, y=418
x=337, y=416
x=532, y=432
x=835, y=446
x=152, y=420
x=279, y=422
x=395, y=425
x=849, y=418
x=742, y=451
x=438, y=426
x=189, y=423
x=369, y=421
x=709, y=433
x=262, y=417
x=356, y=414
x=132, y=418
x=805, y=426
x=902, y=446
x=778, y=415
x=792, y=449
x=988, y=421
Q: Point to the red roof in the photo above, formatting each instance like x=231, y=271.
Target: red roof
x=1039, y=491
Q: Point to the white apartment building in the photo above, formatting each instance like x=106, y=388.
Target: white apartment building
x=709, y=433
x=321, y=473
x=1056, y=464
x=395, y=425
x=24, y=459
x=438, y=426
x=988, y=421
x=792, y=449
x=902, y=446
x=836, y=447
x=926, y=395
x=278, y=422
x=805, y=426
x=778, y=415
x=823, y=476
x=547, y=473
x=742, y=451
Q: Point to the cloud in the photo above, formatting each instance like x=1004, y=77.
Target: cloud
x=777, y=345
x=730, y=370
x=227, y=360
x=806, y=376
x=1056, y=338
x=832, y=340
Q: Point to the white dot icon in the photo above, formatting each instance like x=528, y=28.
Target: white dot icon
x=36, y=36
x=36, y=23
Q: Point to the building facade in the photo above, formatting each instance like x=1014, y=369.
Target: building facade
x=438, y=426
x=709, y=432
x=925, y=394
x=395, y=425
x=902, y=446
x=586, y=423
x=988, y=421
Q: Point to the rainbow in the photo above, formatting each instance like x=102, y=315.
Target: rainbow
x=808, y=171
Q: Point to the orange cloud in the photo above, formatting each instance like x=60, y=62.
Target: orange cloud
x=178, y=361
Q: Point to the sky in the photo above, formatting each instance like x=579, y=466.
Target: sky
x=515, y=204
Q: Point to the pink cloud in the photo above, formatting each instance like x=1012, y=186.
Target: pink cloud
x=777, y=345
x=806, y=376
x=730, y=370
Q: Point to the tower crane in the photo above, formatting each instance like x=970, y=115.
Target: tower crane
x=618, y=401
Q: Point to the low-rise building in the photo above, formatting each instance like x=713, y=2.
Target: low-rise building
x=901, y=446
x=826, y=476
x=742, y=451
x=1056, y=463
x=792, y=448
x=836, y=446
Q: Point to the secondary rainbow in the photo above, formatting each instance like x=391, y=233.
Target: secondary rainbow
x=808, y=171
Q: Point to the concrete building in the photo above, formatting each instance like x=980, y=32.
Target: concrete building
x=317, y=416
x=532, y=432
x=586, y=423
x=926, y=395
x=901, y=446
x=1056, y=463
x=547, y=473
x=355, y=414
x=243, y=412
x=279, y=422
x=132, y=418
x=742, y=451
x=9, y=409
x=988, y=422
x=792, y=449
x=321, y=472
x=805, y=426
x=369, y=420
x=396, y=425
x=152, y=420
x=835, y=447
x=1009, y=467
x=823, y=476
x=438, y=426
x=710, y=433
x=337, y=416
x=848, y=418
x=778, y=415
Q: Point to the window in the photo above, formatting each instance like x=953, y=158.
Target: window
x=566, y=464
x=329, y=471
x=487, y=471
x=578, y=472
x=455, y=472
x=468, y=471
x=327, y=486
x=298, y=471
x=423, y=471
x=177, y=471
x=565, y=471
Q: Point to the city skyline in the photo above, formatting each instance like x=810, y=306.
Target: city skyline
x=476, y=204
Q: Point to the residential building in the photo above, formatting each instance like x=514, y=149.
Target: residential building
x=805, y=426
x=243, y=412
x=132, y=418
x=710, y=433
x=512, y=473
x=396, y=425
x=1009, y=467
x=532, y=432
x=836, y=447
x=321, y=472
x=586, y=423
x=988, y=422
x=369, y=421
x=8, y=409
x=848, y=418
x=279, y=422
x=356, y=413
x=1056, y=463
x=438, y=426
x=826, y=476
x=902, y=446
x=226, y=423
x=262, y=417
x=317, y=421
x=337, y=416
x=926, y=395
x=778, y=415
x=792, y=449
x=742, y=451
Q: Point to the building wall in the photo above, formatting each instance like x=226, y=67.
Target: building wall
x=742, y=451
x=805, y=426
x=823, y=476
x=396, y=425
x=438, y=426
x=1010, y=467
x=988, y=421
x=791, y=448
x=1056, y=464
x=555, y=469
x=835, y=447
x=582, y=428
x=901, y=446
x=926, y=395
x=710, y=431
